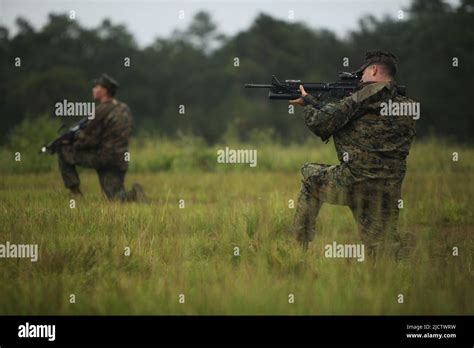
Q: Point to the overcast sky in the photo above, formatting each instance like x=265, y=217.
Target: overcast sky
x=147, y=19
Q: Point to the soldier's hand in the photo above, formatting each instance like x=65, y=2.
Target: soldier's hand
x=303, y=92
x=300, y=101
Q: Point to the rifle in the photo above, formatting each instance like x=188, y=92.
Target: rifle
x=69, y=135
x=343, y=87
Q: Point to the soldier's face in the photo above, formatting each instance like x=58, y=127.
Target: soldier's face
x=99, y=92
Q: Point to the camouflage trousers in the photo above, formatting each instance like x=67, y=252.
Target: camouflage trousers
x=111, y=177
x=374, y=205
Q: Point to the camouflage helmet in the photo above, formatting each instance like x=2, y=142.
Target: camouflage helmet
x=386, y=58
x=108, y=83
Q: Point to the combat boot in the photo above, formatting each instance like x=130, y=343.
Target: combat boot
x=76, y=191
x=138, y=193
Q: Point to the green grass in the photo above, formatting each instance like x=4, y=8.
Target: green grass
x=190, y=251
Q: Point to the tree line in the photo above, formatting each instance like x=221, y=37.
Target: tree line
x=202, y=72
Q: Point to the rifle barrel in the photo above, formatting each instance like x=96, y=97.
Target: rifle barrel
x=257, y=85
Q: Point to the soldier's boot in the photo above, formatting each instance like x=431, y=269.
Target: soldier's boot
x=304, y=221
x=138, y=193
x=75, y=191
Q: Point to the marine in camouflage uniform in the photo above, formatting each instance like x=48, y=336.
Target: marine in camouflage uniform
x=372, y=151
x=102, y=145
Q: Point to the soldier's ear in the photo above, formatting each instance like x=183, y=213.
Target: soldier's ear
x=375, y=69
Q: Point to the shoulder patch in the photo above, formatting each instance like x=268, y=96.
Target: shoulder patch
x=368, y=91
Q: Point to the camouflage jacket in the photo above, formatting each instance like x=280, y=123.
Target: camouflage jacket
x=109, y=132
x=372, y=145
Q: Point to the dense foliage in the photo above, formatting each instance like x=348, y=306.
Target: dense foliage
x=195, y=68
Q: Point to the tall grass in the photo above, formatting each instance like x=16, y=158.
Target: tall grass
x=190, y=251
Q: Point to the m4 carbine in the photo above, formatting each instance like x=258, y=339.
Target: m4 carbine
x=67, y=136
x=346, y=84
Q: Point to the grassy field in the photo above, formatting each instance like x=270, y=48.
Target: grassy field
x=190, y=250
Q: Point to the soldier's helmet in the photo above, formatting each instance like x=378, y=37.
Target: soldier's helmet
x=386, y=58
x=108, y=83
